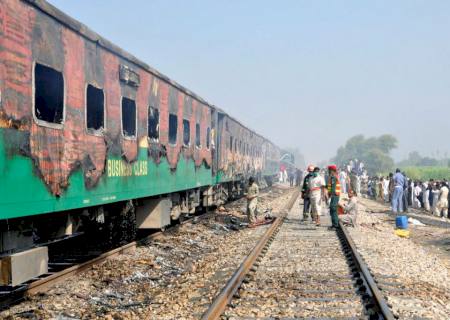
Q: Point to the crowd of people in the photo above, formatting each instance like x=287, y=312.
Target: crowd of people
x=323, y=188
x=293, y=176
x=404, y=193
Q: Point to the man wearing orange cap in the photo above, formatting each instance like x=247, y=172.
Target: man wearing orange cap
x=334, y=192
x=306, y=193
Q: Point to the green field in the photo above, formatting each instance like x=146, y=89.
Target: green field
x=427, y=173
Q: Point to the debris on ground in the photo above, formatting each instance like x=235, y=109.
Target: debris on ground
x=171, y=277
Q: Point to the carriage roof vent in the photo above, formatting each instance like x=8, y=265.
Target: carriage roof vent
x=129, y=76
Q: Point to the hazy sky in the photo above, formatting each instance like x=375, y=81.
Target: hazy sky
x=306, y=74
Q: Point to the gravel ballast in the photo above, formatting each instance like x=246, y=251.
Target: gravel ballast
x=174, y=277
x=414, y=278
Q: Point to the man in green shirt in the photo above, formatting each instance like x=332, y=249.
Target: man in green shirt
x=334, y=192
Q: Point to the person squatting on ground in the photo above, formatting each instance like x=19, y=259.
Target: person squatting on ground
x=306, y=193
x=317, y=186
x=350, y=216
x=252, y=200
x=334, y=192
x=397, y=197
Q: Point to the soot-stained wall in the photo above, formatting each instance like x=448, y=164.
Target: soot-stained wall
x=245, y=156
x=29, y=36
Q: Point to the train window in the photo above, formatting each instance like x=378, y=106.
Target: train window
x=48, y=94
x=186, y=132
x=173, y=126
x=95, y=108
x=208, y=138
x=153, y=123
x=128, y=117
x=197, y=135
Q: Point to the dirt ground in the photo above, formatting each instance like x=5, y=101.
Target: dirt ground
x=434, y=235
x=413, y=273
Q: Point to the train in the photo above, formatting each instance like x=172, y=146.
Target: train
x=93, y=139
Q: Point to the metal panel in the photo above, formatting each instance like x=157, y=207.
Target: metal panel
x=23, y=266
x=153, y=214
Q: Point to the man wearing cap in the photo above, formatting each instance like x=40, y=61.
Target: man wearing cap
x=317, y=186
x=306, y=192
x=334, y=192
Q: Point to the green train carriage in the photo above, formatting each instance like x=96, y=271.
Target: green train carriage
x=89, y=134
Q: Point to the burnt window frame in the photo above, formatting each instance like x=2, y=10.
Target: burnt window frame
x=38, y=121
x=208, y=138
x=188, y=144
x=91, y=131
x=198, y=135
x=135, y=119
x=176, y=130
x=159, y=123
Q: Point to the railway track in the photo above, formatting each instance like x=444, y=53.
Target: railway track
x=70, y=266
x=60, y=271
x=301, y=271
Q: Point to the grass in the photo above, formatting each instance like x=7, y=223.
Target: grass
x=427, y=173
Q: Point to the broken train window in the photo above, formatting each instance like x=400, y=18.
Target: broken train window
x=173, y=127
x=128, y=117
x=208, y=137
x=197, y=135
x=48, y=94
x=95, y=106
x=186, y=132
x=153, y=123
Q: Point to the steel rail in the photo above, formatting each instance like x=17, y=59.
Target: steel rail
x=378, y=298
x=221, y=301
x=46, y=282
x=49, y=281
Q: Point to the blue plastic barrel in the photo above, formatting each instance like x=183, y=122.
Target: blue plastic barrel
x=401, y=222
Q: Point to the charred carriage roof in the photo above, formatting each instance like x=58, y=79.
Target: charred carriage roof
x=86, y=32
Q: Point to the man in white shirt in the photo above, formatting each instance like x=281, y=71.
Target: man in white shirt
x=343, y=181
x=317, y=187
x=442, y=205
x=416, y=192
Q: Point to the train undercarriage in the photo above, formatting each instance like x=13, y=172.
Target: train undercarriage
x=103, y=227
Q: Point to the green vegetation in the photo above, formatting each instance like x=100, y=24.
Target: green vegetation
x=374, y=152
x=427, y=173
x=425, y=168
x=416, y=160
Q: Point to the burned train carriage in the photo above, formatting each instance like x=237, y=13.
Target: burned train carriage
x=90, y=134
